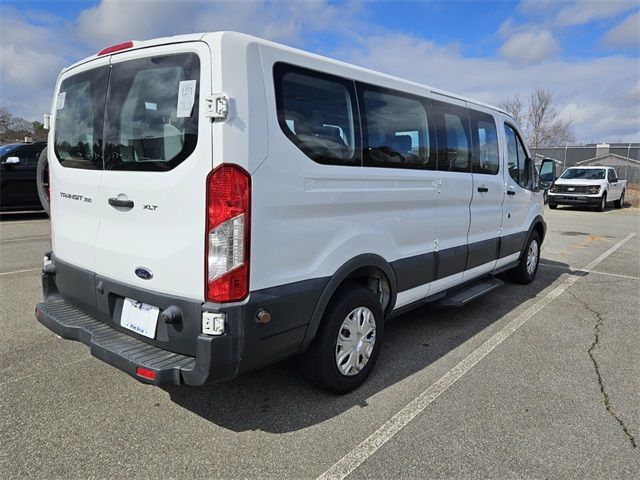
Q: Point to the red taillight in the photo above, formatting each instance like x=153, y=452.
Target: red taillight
x=227, y=242
x=146, y=373
x=116, y=48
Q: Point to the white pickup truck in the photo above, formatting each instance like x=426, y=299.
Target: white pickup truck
x=588, y=186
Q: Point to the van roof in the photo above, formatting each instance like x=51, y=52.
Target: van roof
x=243, y=37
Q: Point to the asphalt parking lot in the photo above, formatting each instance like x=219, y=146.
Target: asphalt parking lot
x=537, y=381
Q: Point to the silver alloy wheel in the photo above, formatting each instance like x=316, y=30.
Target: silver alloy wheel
x=532, y=257
x=356, y=339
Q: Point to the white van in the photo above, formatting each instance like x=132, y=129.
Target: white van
x=220, y=202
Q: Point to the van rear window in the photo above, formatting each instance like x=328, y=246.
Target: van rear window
x=152, y=112
x=146, y=110
x=79, y=119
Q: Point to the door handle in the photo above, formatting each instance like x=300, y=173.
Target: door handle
x=483, y=189
x=116, y=202
x=511, y=192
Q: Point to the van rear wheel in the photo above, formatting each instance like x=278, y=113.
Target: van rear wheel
x=347, y=345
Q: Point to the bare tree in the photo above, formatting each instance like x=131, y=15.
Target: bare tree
x=15, y=129
x=514, y=106
x=540, y=123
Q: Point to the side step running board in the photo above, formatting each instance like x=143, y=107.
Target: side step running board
x=470, y=293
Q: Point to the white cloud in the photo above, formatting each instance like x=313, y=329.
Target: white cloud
x=530, y=47
x=624, y=35
x=585, y=11
x=600, y=94
x=594, y=93
x=113, y=21
x=31, y=57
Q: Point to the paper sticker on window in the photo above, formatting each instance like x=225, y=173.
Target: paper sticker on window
x=150, y=106
x=60, y=100
x=186, y=98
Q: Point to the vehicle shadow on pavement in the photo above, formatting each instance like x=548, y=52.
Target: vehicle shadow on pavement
x=22, y=216
x=278, y=399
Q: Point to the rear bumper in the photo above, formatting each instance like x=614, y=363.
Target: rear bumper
x=128, y=353
x=567, y=199
x=82, y=306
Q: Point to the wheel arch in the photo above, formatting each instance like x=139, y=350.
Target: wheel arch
x=361, y=269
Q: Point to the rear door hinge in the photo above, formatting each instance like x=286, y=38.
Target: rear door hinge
x=217, y=106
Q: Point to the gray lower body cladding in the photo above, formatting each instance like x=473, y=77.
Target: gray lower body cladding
x=80, y=305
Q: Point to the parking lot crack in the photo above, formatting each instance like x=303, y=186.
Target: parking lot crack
x=605, y=396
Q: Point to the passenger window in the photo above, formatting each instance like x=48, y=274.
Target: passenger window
x=30, y=157
x=396, y=131
x=520, y=167
x=454, y=145
x=486, y=157
x=317, y=113
x=79, y=119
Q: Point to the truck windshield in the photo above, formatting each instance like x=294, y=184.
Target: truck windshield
x=135, y=115
x=585, y=173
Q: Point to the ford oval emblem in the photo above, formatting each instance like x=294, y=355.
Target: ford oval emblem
x=143, y=273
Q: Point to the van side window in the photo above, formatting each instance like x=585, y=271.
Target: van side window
x=318, y=113
x=396, y=131
x=486, y=158
x=519, y=166
x=79, y=119
x=454, y=140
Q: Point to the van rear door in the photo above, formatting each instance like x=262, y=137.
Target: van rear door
x=75, y=163
x=158, y=153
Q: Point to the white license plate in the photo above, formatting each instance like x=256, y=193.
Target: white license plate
x=139, y=317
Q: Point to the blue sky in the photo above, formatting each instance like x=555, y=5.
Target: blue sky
x=587, y=52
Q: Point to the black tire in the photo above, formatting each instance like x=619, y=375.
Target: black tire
x=603, y=203
x=42, y=180
x=520, y=273
x=553, y=206
x=620, y=202
x=319, y=361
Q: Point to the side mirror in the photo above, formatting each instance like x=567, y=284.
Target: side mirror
x=11, y=161
x=547, y=174
x=614, y=180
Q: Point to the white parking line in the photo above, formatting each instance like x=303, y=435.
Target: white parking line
x=20, y=271
x=560, y=267
x=382, y=435
x=23, y=222
x=9, y=240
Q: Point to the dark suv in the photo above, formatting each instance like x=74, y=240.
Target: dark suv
x=18, y=186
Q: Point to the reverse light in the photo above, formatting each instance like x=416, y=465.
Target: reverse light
x=116, y=48
x=227, y=242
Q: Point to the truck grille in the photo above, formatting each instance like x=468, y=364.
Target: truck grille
x=572, y=188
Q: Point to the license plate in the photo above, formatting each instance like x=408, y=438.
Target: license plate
x=139, y=317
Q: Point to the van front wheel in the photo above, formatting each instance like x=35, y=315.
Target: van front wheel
x=347, y=345
x=527, y=268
